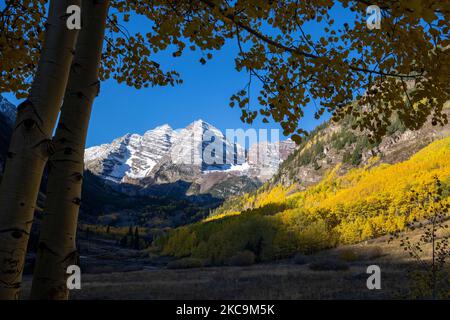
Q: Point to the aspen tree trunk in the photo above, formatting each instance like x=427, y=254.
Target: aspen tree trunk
x=31, y=146
x=57, y=248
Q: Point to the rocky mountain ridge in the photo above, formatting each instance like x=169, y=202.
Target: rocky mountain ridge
x=199, y=154
x=332, y=144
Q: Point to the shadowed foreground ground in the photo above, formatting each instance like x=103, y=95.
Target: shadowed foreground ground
x=114, y=273
x=276, y=281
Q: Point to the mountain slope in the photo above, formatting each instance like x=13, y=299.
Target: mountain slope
x=165, y=160
x=130, y=157
x=103, y=205
x=361, y=204
x=336, y=146
x=337, y=143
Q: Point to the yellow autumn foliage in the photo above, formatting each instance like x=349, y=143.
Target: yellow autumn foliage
x=362, y=204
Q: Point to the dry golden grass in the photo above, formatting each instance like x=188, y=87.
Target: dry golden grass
x=278, y=280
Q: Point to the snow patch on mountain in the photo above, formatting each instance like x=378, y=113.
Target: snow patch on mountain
x=7, y=109
x=131, y=156
x=238, y=168
x=164, y=154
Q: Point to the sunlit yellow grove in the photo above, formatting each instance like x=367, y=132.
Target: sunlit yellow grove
x=364, y=203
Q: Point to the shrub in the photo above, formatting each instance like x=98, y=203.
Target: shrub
x=329, y=265
x=373, y=253
x=353, y=158
x=300, y=259
x=186, y=263
x=342, y=139
x=244, y=258
x=396, y=126
x=349, y=255
x=151, y=256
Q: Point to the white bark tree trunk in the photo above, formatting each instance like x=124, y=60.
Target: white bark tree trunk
x=57, y=247
x=31, y=145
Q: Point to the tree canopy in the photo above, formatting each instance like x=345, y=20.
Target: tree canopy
x=401, y=69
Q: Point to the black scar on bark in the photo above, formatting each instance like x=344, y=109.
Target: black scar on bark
x=77, y=201
x=77, y=176
x=15, y=232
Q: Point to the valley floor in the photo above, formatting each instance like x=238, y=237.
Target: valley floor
x=114, y=273
x=271, y=281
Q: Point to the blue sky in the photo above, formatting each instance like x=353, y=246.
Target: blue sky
x=204, y=94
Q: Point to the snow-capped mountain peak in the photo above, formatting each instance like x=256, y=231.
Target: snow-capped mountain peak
x=164, y=154
x=132, y=156
x=8, y=110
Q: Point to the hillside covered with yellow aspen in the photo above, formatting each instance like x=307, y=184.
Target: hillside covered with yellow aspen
x=364, y=203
